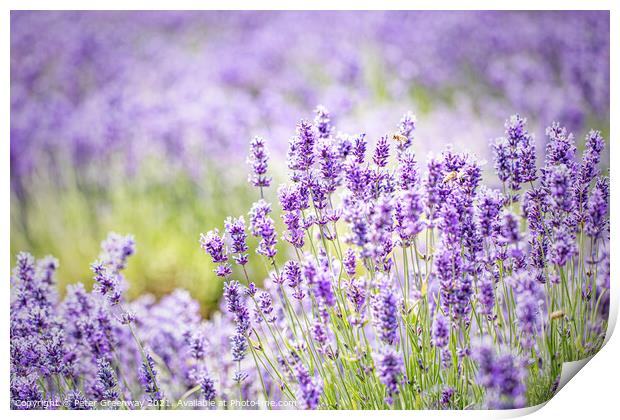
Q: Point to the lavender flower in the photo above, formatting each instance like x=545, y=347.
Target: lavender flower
x=350, y=262
x=301, y=148
x=390, y=370
x=322, y=122
x=408, y=170
x=329, y=164
x=213, y=244
x=235, y=229
x=116, y=249
x=440, y=331
x=239, y=347
x=259, y=156
x=515, y=155
x=262, y=226
x=595, y=222
x=486, y=294
x=382, y=152
x=408, y=215
x=446, y=396
x=148, y=378
x=558, y=180
x=235, y=304
x=561, y=147
x=406, y=127
x=292, y=273
x=108, y=282
x=502, y=375
x=291, y=202
x=319, y=335
x=309, y=388
x=563, y=247
x=323, y=289
x=359, y=149
x=265, y=305
x=107, y=381
x=588, y=169
x=384, y=312
x=207, y=386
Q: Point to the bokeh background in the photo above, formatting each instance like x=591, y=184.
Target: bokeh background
x=139, y=122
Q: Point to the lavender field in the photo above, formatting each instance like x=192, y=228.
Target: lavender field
x=306, y=210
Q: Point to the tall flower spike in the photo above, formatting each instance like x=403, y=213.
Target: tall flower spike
x=207, y=386
x=390, y=370
x=322, y=122
x=382, y=152
x=116, y=249
x=263, y=227
x=502, y=375
x=406, y=127
x=384, y=308
x=235, y=229
x=596, y=220
x=309, y=388
x=440, y=331
x=213, y=244
x=148, y=378
x=258, y=159
x=107, y=380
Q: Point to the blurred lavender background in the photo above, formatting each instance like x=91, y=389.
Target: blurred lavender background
x=140, y=121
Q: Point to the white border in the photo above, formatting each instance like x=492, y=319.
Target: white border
x=593, y=394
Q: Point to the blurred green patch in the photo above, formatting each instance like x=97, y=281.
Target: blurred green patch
x=164, y=208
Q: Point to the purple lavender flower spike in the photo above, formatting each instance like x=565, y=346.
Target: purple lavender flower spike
x=564, y=247
x=263, y=227
x=382, y=152
x=350, y=262
x=319, y=334
x=587, y=171
x=305, y=142
x=265, y=305
x=330, y=165
x=309, y=388
x=258, y=159
x=408, y=175
x=323, y=289
x=116, y=249
x=213, y=244
x=359, y=149
x=235, y=304
x=390, y=370
x=148, y=378
x=107, y=381
x=322, y=122
x=235, y=229
x=207, y=386
x=440, y=331
x=384, y=308
x=598, y=204
x=502, y=375
x=292, y=273
x=239, y=347
x=561, y=147
x=486, y=294
x=406, y=127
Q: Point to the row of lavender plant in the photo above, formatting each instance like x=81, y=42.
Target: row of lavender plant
x=79, y=88
x=406, y=290
x=401, y=289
